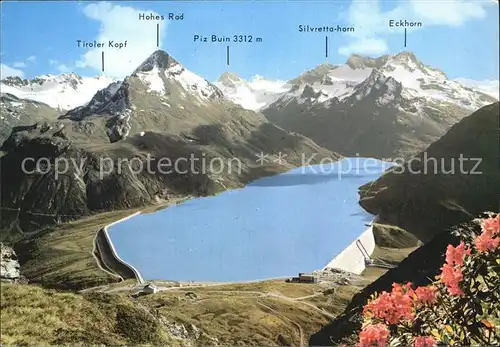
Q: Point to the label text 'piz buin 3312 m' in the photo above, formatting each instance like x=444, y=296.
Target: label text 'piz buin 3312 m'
x=227, y=39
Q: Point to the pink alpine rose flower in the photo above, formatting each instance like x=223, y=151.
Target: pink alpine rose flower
x=426, y=295
x=424, y=341
x=374, y=335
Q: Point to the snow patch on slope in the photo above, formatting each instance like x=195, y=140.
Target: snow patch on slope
x=432, y=84
x=191, y=82
x=489, y=87
x=153, y=80
x=339, y=83
x=346, y=73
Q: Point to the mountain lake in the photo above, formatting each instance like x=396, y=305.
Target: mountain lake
x=277, y=226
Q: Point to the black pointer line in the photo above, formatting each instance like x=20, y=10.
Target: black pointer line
x=227, y=55
x=405, y=37
x=102, y=61
x=326, y=46
x=158, y=35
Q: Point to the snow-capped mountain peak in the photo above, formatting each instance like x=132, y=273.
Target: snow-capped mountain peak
x=408, y=62
x=160, y=69
x=231, y=80
x=255, y=94
x=489, y=87
x=404, y=57
x=314, y=75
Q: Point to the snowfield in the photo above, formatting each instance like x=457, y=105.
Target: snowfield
x=62, y=92
x=255, y=94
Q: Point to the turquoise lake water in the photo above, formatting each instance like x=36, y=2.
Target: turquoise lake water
x=274, y=227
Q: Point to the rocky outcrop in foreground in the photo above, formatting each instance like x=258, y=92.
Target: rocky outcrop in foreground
x=9, y=265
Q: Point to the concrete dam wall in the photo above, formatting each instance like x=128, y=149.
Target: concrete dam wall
x=109, y=257
x=353, y=257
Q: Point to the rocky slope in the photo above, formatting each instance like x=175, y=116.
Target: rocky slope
x=435, y=190
x=44, y=98
x=163, y=116
x=392, y=106
x=17, y=112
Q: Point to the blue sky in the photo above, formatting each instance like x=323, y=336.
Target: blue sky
x=459, y=37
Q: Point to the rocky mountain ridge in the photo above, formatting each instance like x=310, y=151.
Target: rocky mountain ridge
x=426, y=90
x=338, y=81
x=389, y=107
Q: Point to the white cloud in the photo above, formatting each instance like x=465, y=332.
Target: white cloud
x=7, y=71
x=31, y=59
x=63, y=68
x=120, y=23
x=371, y=22
x=19, y=64
x=365, y=46
x=451, y=12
